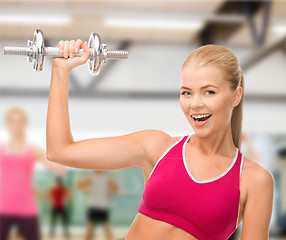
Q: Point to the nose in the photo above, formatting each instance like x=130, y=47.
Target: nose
x=196, y=102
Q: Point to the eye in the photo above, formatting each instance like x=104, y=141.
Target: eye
x=210, y=92
x=185, y=93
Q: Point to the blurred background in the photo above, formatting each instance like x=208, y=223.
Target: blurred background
x=143, y=91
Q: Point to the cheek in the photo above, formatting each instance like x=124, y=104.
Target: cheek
x=184, y=105
x=16, y=126
x=222, y=108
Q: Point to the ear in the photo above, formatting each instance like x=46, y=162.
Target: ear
x=237, y=96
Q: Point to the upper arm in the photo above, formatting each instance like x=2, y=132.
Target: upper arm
x=109, y=153
x=258, y=207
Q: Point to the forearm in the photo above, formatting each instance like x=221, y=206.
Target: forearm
x=58, y=123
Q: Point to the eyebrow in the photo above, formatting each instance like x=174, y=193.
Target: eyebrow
x=202, y=87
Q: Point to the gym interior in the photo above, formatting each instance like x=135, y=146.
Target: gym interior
x=142, y=92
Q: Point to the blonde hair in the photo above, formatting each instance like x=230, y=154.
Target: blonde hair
x=225, y=59
x=16, y=110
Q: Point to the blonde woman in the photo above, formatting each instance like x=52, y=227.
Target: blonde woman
x=17, y=160
x=197, y=186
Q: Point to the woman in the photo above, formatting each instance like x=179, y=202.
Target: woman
x=17, y=160
x=197, y=186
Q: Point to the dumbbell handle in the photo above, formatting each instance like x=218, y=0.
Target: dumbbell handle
x=54, y=52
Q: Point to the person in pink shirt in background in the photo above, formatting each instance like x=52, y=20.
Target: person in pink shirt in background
x=17, y=160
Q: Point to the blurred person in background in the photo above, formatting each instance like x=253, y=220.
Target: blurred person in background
x=17, y=161
x=98, y=188
x=228, y=188
x=58, y=196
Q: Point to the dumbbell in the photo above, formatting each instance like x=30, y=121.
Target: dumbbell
x=36, y=51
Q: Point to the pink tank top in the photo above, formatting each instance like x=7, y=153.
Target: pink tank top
x=16, y=191
x=205, y=209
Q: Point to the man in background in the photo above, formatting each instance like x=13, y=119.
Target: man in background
x=98, y=187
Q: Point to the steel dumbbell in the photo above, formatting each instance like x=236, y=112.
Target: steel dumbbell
x=36, y=51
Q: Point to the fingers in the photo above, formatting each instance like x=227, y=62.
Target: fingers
x=86, y=53
x=61, y=46
x=78, y=45
x=66, y=49
x=69, y=48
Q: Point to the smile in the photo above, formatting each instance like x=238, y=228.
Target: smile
x=200, y=119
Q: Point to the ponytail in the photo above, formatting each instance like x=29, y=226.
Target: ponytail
x=236, y=118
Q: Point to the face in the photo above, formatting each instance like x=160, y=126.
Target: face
x=207, y=99
x=16, y=125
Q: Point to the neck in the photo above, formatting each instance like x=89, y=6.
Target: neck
x=217, y=143
x=17, y=140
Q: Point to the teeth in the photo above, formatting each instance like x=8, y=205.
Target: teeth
x=200, y=116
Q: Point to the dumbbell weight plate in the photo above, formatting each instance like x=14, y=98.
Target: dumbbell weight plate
x=38, y=51
x=95, y=60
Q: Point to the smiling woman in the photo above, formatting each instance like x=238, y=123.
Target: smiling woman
x=197, y=186
x=219, y=74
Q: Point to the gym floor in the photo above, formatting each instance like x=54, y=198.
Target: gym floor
x=78, y=233
x=118, y=234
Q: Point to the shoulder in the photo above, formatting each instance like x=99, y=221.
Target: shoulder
x=37, y=151
x=257, y=177
x=155, y=138
x=155, y=143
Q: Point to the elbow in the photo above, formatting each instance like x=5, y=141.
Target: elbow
x=54, y=157
x=50, y=156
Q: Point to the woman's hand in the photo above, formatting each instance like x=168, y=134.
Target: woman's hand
x=69, y=48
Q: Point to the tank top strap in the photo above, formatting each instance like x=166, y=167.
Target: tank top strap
x=235, y=172
x=175, y=150
x=181, y=142
x=172, y=152
x=239, y=164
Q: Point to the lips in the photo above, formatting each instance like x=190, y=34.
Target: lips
x=200, y=119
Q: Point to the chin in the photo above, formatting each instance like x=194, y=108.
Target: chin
x=201, y=132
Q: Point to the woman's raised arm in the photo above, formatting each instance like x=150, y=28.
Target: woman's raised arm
x=99, y=153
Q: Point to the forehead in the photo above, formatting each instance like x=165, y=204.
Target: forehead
x=194, y=75
x=15, y=117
